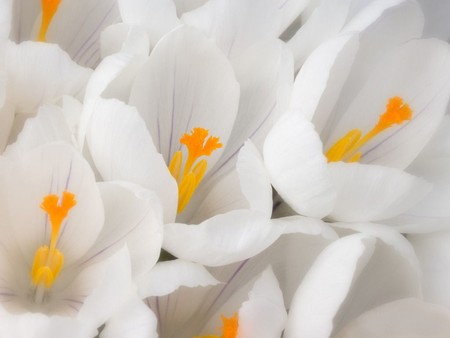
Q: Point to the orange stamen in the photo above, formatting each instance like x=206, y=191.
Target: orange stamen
x=198, y=144
x=229, y=329
x=49, y=8
x=347, y=148
x=48, y=260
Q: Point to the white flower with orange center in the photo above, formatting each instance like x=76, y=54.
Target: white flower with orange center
x=64, y=241
x=373, y=120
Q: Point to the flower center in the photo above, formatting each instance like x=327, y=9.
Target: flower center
x=229, y=328
x=49, y=8
x=48, y=260
x=347, y=148
x=188, y=178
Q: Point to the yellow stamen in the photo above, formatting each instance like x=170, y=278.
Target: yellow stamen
x=229, y=329
x=48, y=260
x=49, y=8
x=347, y=148
x=198, y=144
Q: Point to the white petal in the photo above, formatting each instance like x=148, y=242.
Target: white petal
x=113, y=288
x=326, y=20
x=35, y=325
x=254, y=179
x=297, y=167
x=52, y=169
x=77, y=25
x=235, y=24
x=133, y=320
x=122, y=149
x=166, y=277
x=41, y=73
x=175, y=94
x=436, y=24
x=317, y=85
x=403, y=318
x=222, y=239
x=265, y=74
x=48, y=126
x=129, y=218
x=433, y=252
x=354, y=274
x=290, y=256
x=263, y=315
x=371, y=193
x=184, y=6
x=157, y=16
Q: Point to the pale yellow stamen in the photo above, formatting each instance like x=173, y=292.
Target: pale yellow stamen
x=188, y=178
x=49, y=8
x=48, y=260
x=347, y=148
x=229, y=329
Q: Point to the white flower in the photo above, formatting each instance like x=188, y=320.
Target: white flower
x=344, y=102
x=63, y=237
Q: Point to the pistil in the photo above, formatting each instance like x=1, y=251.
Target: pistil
x=49, y=8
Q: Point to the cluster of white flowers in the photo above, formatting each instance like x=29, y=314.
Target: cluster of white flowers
x=224, y=169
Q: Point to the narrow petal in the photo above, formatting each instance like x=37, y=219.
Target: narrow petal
x=175, y=94
x=371, y=193
x=222, y=239
x=352, y=275
x=122, y=149
x=263, y=315
x=297, y=167
x=166, y=277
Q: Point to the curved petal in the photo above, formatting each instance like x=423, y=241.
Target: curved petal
x=297, y=167
x=166, y=277
x=122, y=149
x=265, y=74
x=48, y=126
x=40, y=73
x=131, y=217
x=157, y=16
x=52, y=169
x=254, y=179
x=371, y=193
x=327, y=19
x=403, y=318
x=222, y=239
x=175, y=94
x=318, y=83
x=133, y=320
x=352, y=275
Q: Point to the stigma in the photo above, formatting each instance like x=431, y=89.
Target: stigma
x=49, y=8
x=199, y=144
x=48, y=260
x=230, y=328
x=347, y=148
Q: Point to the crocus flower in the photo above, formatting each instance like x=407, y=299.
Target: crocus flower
x=63, y=239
